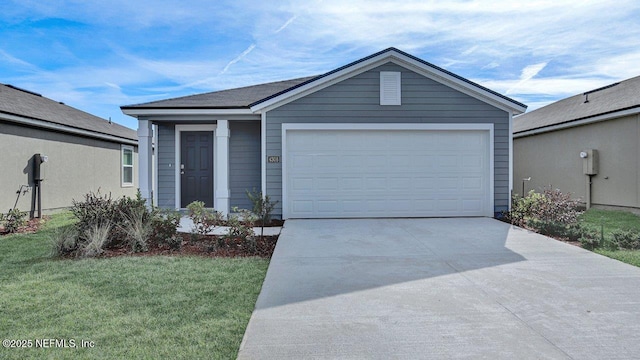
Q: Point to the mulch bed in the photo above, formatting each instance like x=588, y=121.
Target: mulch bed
x=206, y=245
x=32, y=226
x=200, y=245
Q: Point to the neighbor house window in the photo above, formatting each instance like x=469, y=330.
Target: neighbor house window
x=127, y=165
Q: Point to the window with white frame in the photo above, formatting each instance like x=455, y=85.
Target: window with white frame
x=127, y=165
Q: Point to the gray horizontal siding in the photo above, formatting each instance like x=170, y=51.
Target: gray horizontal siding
x=166, y=166
x=356, y=100
x=244, y=161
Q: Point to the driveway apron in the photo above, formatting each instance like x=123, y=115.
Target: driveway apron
x=440, y=288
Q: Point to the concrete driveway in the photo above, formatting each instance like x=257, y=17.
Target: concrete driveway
x=440, y=288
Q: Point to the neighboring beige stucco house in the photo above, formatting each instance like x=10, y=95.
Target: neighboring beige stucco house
x=84, y=152
x=548, y=143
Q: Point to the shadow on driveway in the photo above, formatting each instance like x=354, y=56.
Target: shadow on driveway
x=440, y=288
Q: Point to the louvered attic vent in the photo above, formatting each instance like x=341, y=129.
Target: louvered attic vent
x=390, y=88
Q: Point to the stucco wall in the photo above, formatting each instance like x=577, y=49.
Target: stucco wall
x=552, y=159
x=76, y=166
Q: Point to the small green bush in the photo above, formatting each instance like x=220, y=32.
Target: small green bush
x=262, y=206
x=241, y=224
x=590, y=238
x=204, y=220
x=625, y=240
x=165, y=228
x=241, y=228
x=13, y=220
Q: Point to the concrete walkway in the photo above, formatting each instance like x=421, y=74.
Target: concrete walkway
x=440, y=288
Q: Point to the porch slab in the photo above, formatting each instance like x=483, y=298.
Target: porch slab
x=186, y=226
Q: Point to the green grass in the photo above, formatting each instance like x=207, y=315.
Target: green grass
x=611, y=220
x=130, y=307
x=608, y=221
x=627, y=256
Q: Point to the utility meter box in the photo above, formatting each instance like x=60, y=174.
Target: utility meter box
x=590, y=161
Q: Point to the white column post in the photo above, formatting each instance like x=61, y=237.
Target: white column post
x=222, y=167
x=145, y=160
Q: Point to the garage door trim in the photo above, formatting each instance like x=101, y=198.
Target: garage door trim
x=391, y=127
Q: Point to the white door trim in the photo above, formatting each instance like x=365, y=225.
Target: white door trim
x=387, y=126
x=178, y=130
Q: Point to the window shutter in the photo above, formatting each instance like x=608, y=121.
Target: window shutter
x=390, y=88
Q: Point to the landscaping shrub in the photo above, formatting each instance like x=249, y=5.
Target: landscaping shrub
x=165, y=228
x=64, y=240
x=241, y=224
x=96, y=237
x=94, y=210
x=550, y=212
x=556, y=207
x=204, y=220
x=137, y=225
x=262, y=206
x=104, y=223
x=13, y=220
x=241, y=228
x=625, y=240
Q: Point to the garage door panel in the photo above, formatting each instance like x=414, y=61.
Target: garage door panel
x=374, y=173
x=302, y=184
x=327, y=183
x=302, y=206
x=473, y=184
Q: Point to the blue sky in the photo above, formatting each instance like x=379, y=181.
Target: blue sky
x=99, y=55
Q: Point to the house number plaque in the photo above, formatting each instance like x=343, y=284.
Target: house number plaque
x=273, y=159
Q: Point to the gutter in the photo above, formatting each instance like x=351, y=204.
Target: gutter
x=67, y=129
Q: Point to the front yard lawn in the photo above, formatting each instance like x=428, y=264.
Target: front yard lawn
x=610, y=221
x=627, y=256
x=129, y=307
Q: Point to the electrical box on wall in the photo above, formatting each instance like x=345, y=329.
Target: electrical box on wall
x=589, y=161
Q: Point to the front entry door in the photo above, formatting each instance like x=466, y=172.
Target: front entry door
x=196, y=153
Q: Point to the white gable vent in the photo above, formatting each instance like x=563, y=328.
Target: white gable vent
x=390, y=88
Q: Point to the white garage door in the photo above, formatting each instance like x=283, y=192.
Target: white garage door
x=386, y=173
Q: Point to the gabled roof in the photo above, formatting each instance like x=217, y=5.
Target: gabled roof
x=603, y=103
x=20, y=105
x=263, y=97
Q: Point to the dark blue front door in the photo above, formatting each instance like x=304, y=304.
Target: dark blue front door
x=196, y=152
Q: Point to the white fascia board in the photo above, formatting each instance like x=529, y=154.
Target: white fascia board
x=67, y=129
x=185, y=111
x=570, y=124
x=400, y=60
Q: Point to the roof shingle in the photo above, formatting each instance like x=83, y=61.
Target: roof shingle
x=27, y=104
x=224, y=99
x=621, y=96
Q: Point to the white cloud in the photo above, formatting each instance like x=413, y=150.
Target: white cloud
x=527, y=74
x=531, y=49
x=238, y=58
